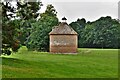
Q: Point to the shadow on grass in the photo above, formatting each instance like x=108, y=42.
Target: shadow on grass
x=10, y=59
x=14, y=62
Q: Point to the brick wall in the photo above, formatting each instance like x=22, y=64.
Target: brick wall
x=63, y=43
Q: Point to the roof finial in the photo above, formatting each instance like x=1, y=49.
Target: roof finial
x=64, y=19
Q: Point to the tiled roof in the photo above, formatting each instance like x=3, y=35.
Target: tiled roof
x=63, y=28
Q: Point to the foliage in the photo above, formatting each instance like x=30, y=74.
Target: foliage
x=9, y=29
x=102, y=33
x=16, y=23
x=28, y=10
x=39, y=38
x=28, y=14
x=106, y=32
x=79, y=26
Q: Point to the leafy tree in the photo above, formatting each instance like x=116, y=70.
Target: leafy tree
x=9, y=29
x=106, y=32
x=79, y=26
x=16, y=24
x=28, y=14
x=102, y=33
x=28, y=10
x=87, y=36
x=39, y=38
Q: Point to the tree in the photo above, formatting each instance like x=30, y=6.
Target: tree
x=107, y=32
x=39, y=38
x=87, y=36
x=28, y=14
x=79, y=26
x=9, y=29
x=16, y=25
x=102, y=33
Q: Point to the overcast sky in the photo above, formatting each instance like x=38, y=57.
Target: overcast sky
x=91, y=10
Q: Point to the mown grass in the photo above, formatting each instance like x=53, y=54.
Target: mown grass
x=88, y=63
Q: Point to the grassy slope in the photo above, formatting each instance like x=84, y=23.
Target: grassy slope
x=89, y=63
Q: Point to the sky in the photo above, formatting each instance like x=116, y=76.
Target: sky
x=91, y=10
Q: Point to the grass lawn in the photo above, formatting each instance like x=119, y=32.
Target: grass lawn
x=88, y=63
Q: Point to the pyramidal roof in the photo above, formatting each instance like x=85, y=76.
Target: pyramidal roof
x=63, y=28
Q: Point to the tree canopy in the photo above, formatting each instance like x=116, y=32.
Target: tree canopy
x=28, y=14
x=102, y=33
x=39, y=38
x=9, y=29
x=15, y=24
